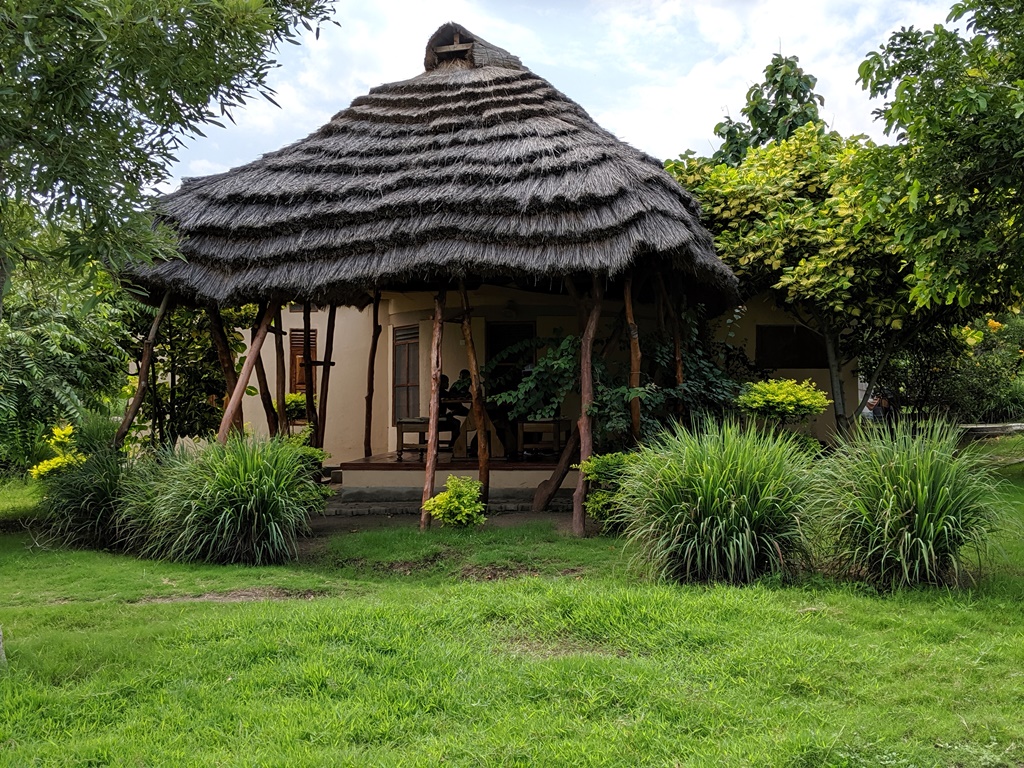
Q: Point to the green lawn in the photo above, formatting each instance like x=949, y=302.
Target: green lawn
x=18, y=501
x=505, y=647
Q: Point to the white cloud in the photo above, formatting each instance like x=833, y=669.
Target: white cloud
x=658, y=73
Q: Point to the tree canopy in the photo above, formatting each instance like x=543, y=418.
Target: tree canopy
x=97, y=95
x=956, y=107
x=775, y=108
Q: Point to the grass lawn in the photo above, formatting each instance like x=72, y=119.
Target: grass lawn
x=18, y=502
x=504, y=647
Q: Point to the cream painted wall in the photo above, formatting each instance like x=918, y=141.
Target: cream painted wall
x=759, y=311
x=346, y=405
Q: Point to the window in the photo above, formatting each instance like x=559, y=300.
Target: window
x=407, y=372
x=298, y=372
x=790, y=346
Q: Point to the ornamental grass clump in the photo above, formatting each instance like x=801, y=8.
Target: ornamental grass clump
x=720, y=503
x=906, y=505
x=243, y=502
x=81, y=501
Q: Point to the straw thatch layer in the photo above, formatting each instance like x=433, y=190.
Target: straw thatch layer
x=475, y=166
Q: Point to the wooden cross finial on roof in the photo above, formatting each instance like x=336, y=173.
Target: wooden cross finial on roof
x=457, y=46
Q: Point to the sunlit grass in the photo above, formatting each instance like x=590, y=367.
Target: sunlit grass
x=499, y=647
x=19, y=500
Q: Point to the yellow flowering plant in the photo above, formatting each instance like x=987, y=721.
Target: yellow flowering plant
x=61, y=441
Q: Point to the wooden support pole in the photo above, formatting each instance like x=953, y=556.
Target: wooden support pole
x=548, y=488
x=677, y=341
x=264, y=386
x=143, y=373
x=308, y=376
x=483, y=439
x=280, y=386
x=235, y=403
x=226, y=358
x=370, y=370
x=587, y=400
x=435, y=406
x=634, y=358
x=325, y=375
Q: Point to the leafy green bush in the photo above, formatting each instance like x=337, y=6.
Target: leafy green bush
x=782, y=400
x=719, y=503
x=243, y=502
x=603, y=471
x=905, y=504
x=295, y=406
x=459, y=504
x=81, y=503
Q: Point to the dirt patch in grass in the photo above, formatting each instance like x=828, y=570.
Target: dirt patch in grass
x=247, y=595
x=495, y=572
x=540, y=649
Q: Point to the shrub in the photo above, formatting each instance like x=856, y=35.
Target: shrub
x=720, y=503
x=295, y=406
x=243, y=502
x=459, y=504
x=64, y=454
x=782, y=400
x=81, y=503
x=603, y=471
x=905, y=503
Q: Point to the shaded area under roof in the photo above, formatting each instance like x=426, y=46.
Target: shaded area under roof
x=476, y=167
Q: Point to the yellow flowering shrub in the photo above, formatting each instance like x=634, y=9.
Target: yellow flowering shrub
x=62, y=442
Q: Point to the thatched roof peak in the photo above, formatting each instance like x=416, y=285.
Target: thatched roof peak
x=453, y=43
x=476, y=167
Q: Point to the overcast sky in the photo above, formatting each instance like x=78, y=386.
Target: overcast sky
x=657, y=73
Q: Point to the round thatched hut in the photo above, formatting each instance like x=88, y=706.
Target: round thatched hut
x=475, y=172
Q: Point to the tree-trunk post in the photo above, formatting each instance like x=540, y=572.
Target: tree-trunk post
x=264, y=386
x=483, y=439
x=835, y=376
x=308, y=376
x=325, y=376
x=370, y=371
x=235, y=403
x=280, y=386
x=634, y=358
x=677, y=340
x=143, y=373
x=435, y=407
x=548, y=488
x=226, y=358
x=587, y=400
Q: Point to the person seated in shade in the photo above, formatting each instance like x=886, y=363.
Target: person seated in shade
x=451, y=410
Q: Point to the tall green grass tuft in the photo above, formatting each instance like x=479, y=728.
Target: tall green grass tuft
x=81, y=502
x=720, y=503
x=243, y=502
x=905, y=505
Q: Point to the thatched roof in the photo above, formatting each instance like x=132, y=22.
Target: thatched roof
x=475, y=167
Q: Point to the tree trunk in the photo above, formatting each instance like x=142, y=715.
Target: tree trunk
x=235, y=403
x=325, y=376
x=835, y=376
x=634, y=358
x=226, y=358
x=307, y=372
x=435, y=407
x=370, y=370
x=264, y=388
x=280, y=386
x=143, y=374
x=483, y=438
x=587, y=400
x=548, y=488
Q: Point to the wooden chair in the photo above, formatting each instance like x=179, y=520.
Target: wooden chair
x=419, y=427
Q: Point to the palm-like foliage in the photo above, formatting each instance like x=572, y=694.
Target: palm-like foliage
x=720, y=503
x=904, y=504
